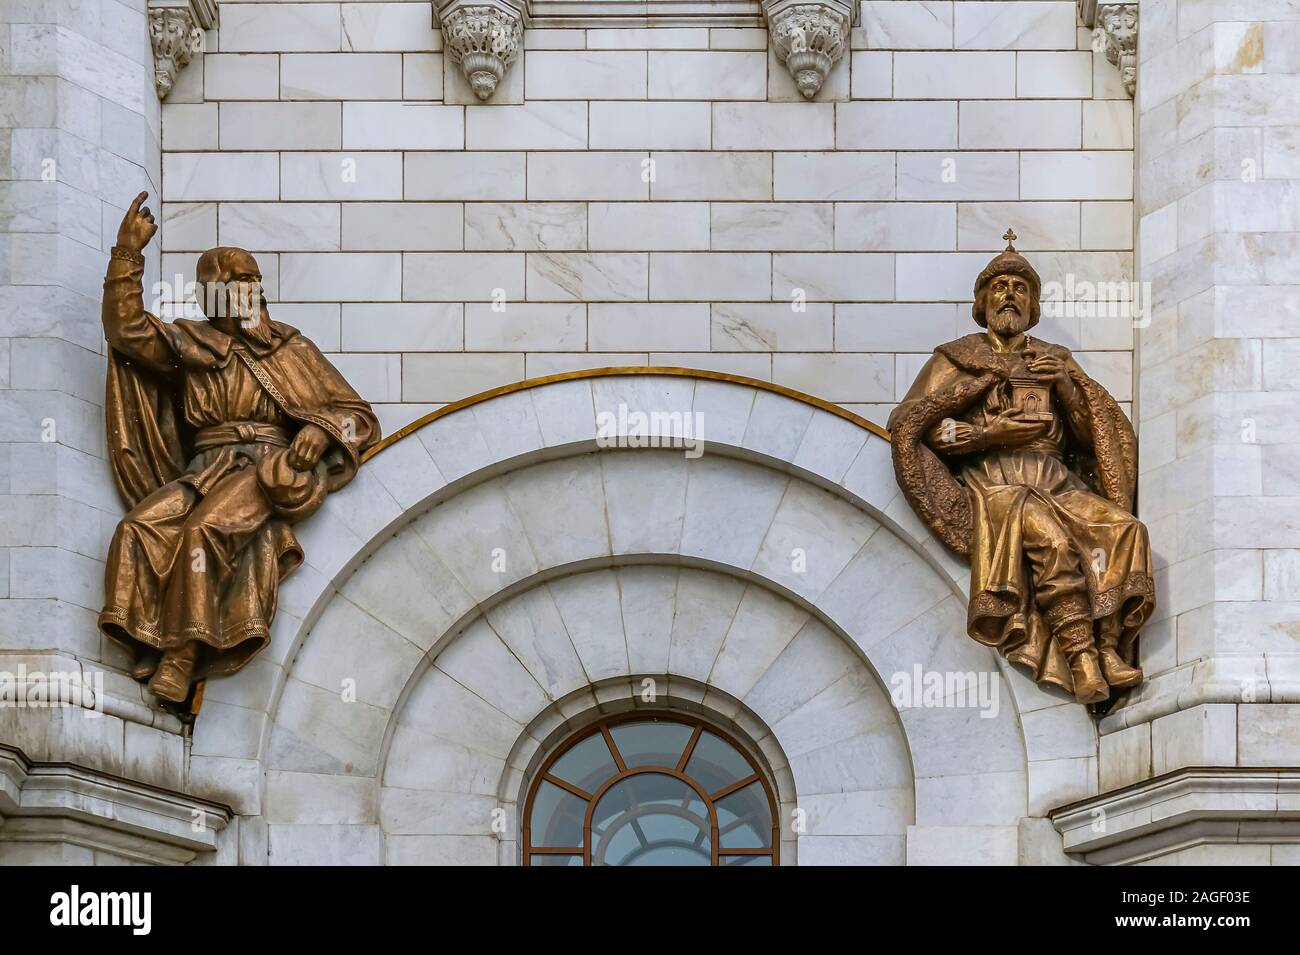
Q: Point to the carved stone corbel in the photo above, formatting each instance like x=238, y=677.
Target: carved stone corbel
x=483, y=37
x=176, y=33
x=809, y=38
x=1114, y=32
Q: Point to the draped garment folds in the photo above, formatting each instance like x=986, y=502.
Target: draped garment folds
x=199, y=424
x=996, y=506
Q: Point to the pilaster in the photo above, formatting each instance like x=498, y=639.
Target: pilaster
x=1218, y=101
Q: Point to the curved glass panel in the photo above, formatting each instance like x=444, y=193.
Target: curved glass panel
x=586, y=765
x=745, y=819
x=557, y=816
x=716, y=764
x=651, y=819
x=652, y=743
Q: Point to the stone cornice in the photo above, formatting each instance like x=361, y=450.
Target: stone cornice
x=1180, y=810
x=64, y=802
x=176, y=33
x=581, y=14
x=1114, y=32
x=1230, y=678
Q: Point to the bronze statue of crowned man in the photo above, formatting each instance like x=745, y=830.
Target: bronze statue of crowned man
x=222, y=434
x=1020, y=462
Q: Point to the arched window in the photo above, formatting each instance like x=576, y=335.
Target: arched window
x=650, y=789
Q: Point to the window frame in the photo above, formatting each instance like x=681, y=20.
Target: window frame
x=602, y=726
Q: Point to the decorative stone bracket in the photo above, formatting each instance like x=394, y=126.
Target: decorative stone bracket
x=483, y=37
x=1114, y=32
x=176, y=32
x=809, y=38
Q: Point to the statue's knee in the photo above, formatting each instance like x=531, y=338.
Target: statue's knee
x=1064, y=551
x=130, y=526
x=1039, y=526
x=197, y=534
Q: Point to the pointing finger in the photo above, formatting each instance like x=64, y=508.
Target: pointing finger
x=135, y=203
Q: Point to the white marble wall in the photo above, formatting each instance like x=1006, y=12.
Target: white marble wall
x=79, y=137
x=650, y=196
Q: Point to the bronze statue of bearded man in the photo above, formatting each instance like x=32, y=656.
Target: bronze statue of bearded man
x=1020, y=462
x=222, y=434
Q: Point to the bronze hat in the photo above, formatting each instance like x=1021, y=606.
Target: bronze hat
x=1006, y=262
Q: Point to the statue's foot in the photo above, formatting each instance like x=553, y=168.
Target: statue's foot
x=171, y=681
x=146, y=663
x=168, y=685
x=1090, y=684
x=1118, y=673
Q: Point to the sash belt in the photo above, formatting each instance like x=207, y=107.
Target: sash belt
x=240, y=432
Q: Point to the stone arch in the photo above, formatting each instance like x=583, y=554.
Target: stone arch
x=711, y=640
x=777, y=471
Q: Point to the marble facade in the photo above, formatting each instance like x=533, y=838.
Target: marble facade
x=666, y=193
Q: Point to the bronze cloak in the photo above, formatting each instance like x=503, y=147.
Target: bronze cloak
x=958, y=377
x=150, y=446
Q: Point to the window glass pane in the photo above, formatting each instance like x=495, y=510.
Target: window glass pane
x=549, y=859
x=557, y=817
x=715, y=764
x=746, y=860
x=586, y=765
x=652, y=743
x=745, y=819
x=650, y=819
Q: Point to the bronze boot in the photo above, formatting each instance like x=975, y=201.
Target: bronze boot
x=175, y=673
x=1117, y=673
x=1075, y=640
x=146, y=663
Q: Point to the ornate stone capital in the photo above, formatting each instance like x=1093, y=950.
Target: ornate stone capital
x=176, y=32
x=809, y=38
x=1114, y=32
x=483, y=37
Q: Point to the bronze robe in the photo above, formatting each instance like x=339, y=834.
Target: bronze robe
x=1079, y=478
x=199, y=422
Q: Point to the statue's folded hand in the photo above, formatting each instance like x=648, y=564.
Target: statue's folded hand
x=307, y=447
x=1008, y=430
x=950, y=436
x=1047, y=366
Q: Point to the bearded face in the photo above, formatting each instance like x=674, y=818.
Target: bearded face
x=233, y=298
x=1008, y=305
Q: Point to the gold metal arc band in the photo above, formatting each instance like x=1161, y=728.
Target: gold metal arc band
x=671, y=372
